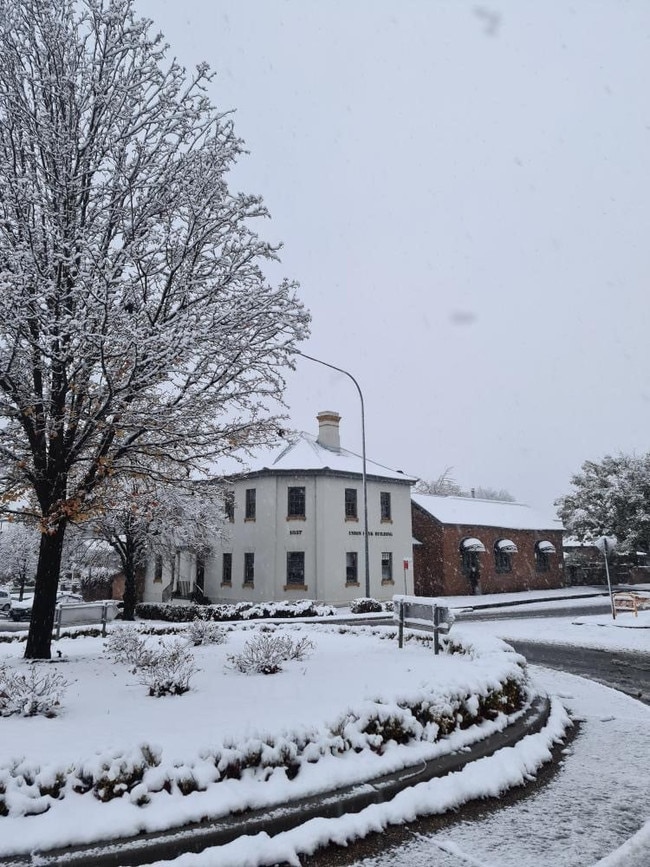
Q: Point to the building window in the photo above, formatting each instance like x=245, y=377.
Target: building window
x=249, y=569
x=250, y=504
x=295, y=503
x=387, y=567
x=226, y=569
x=229, y=505
x=351, y=567
x=384, y=506
x=351, y=513
x=543, y=551
x=158, y=569
x=503, y=551
x=296, y=568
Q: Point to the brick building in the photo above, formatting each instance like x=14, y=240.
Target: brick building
x=464, y=545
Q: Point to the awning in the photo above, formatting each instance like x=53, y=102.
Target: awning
x=546, y=547
x=507, y=546
x=473, y=545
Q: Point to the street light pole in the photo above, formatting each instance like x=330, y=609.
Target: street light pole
x=364, y=478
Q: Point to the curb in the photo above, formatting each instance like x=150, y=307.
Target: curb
x=143, y=849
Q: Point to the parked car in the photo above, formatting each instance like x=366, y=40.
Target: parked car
x=23, y=610
x=5, y=601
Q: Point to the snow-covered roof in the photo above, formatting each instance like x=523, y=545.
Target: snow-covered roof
x=305, y=454
x=469, y=511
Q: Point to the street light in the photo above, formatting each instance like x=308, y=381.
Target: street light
x=605, y=544
x=364, y=480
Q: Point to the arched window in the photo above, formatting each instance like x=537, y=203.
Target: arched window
x=470, y=549
x=503, y=551
x=543, y=551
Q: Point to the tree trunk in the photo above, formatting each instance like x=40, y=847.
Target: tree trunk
x=129, y=565
x=47, y=583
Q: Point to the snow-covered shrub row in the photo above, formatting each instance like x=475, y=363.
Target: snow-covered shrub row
x=140, y=776
x=235, y=611
x=265, y=653
x=365, y=605
x=34, y=692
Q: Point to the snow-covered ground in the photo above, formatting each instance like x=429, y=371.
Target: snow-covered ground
x=106, y=712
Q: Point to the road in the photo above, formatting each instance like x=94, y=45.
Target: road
x=627, y=672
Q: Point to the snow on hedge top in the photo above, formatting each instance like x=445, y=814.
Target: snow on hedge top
x=485, y=513
x=304, y=452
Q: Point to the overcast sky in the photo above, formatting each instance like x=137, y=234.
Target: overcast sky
x=463, y=193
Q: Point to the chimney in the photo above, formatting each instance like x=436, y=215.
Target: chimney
x=328, y=429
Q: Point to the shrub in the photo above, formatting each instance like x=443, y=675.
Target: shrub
x=205, y=632
x=265, y=653
x=365, y=605
x=36, y=692
x=126, y=645
x=168, y=671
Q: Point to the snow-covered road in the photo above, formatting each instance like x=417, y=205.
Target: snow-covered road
x=597, y=801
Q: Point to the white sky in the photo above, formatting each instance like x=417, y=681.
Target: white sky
x=463, y=193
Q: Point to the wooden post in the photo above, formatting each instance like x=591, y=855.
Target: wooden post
x=436, y=623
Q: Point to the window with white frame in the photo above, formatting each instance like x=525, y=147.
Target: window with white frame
x=387, y=567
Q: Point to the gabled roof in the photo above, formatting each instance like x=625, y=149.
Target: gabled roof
x=468, y=511
x=304, y=454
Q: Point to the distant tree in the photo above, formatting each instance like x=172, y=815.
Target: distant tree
x=19, y=553
x=610, y=498
x=445, y=485
x=491, y=494
x=145, y=518
x=136, y=327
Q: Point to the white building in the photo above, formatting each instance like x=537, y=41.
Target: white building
x=295, y=530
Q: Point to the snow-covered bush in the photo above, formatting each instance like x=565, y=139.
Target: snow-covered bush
x=205, y=632
x=115, y=775
x=35, y=692
x=365, y=605
x=168, y=670
x=165, y=670
x=265, y=653
x=127, y=645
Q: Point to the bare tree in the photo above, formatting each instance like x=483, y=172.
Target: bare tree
x=136, y=327
x=446, y=486
x=145, y=518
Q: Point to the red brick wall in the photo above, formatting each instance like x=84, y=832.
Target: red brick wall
x=437, y=562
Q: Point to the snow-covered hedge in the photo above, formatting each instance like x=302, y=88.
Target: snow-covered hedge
x=424, y=715
x=365, y=605
x=235, y=611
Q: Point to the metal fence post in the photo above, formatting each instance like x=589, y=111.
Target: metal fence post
x=104, y=618
x=400, y=630
x=436, y=623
